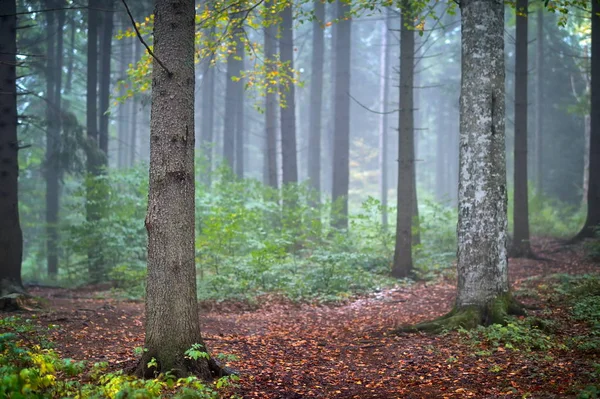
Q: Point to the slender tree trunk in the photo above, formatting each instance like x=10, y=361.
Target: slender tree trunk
x=270, y=153
x=289, y=151
x=208, y=116
x=234, y=69
x=172, y=322
x=239, y=116
x=593, y=198
x=122, y=131
x=133, y=147
x=539, y=102
x=316, y=99
x=520, y=245
x=403, y=264
x=341, y=115
x=384, y=90
x=441, y=152
x=69, y=76
x=11, y=236
x=105, y=59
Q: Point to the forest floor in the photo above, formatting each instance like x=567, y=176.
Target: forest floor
x=287, y=350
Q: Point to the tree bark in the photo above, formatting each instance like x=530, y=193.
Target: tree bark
x=520, y=245
x=239, y=114
x=316, y=99
x=289, y=152
x=208, y=115
x=341, y=115
x=11, y=236
x=234, y=69
x=270, y=163
x=172, y=321
x=593, y=198
x=105, y=60
x=403, y=264
x=384, y=93
x=539, y=102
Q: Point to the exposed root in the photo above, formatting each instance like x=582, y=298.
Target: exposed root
x=470, y=317
x=149, y=367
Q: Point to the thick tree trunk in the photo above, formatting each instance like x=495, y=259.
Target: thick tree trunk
x=270, y=164
x=403, y=264
x=341, y=115
x=539, y=102
x=520, y=246
x=593, y=198
x=105, y=60
x=316, y=99
x=11, y=237
x=172, y=321
x=384, y=93
x=239, y=115
x=289, y=153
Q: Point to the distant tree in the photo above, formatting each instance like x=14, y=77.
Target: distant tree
x=135, y=106
x=341, y=113
x=11, y=236
x=172, y=321
x=234, y=69
x=316, y=97
x=289, y=155
x=539, y=101
x=593, y=196
x=208, y=114
x=483, y=294
x=122, y=129
x=239, y=114
x=384, y=90
x=104, y=81
x=403, y=263
x=270, y=153
x=520, y=244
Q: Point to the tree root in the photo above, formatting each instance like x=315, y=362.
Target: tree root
x=470, y=317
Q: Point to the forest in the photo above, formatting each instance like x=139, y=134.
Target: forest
x=293, y=199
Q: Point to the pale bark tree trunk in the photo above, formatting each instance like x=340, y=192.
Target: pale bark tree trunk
x=122, y=131
x=520, y=246
x=539, y=102
x=133, y=147
x=384, y=93
x=172, y=321
x=341, y=115
x=11, y=236
x=403, y=264
x=593, y=196
x=104, y=94
x=239, y=115
x=208, y=116
x=289, y=153
x=270, y=153
x=441, y=152
x=316, y=99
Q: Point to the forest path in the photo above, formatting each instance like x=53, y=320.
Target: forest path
x=346, y=351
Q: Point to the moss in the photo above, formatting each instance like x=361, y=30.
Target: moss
x=469, y=317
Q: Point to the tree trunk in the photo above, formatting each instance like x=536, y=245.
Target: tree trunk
x=539, y=102
x=239, y=115
x=105, y=59
x=270, y=154
x=133, y=147
x=11, y=237
x=122, y=131
x=172, y=321
x=384, y=90
x=593, y=198
x=234, y=69
x=403, y=264
x=288, y=113
x=316, y=100
x=208, y=115
x=520, y=246
x=341, y=115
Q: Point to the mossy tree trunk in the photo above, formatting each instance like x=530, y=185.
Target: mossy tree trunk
x=172, y=320
x=483, y=295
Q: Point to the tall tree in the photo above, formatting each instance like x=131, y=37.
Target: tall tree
x=539, y=101
x=593, y=201
x=341, y=113
x=11, y=236
x=208, y=114
x=122, y=130
x=520, y=246
x=104, y=81
x=234, y=69
x=270, y=153
x=483, y=294
x=316, y=98
x=172, y=321
x=239, y=114
x=288, y=113
x=403, y=263
x=384, y=90
x=135, y=105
